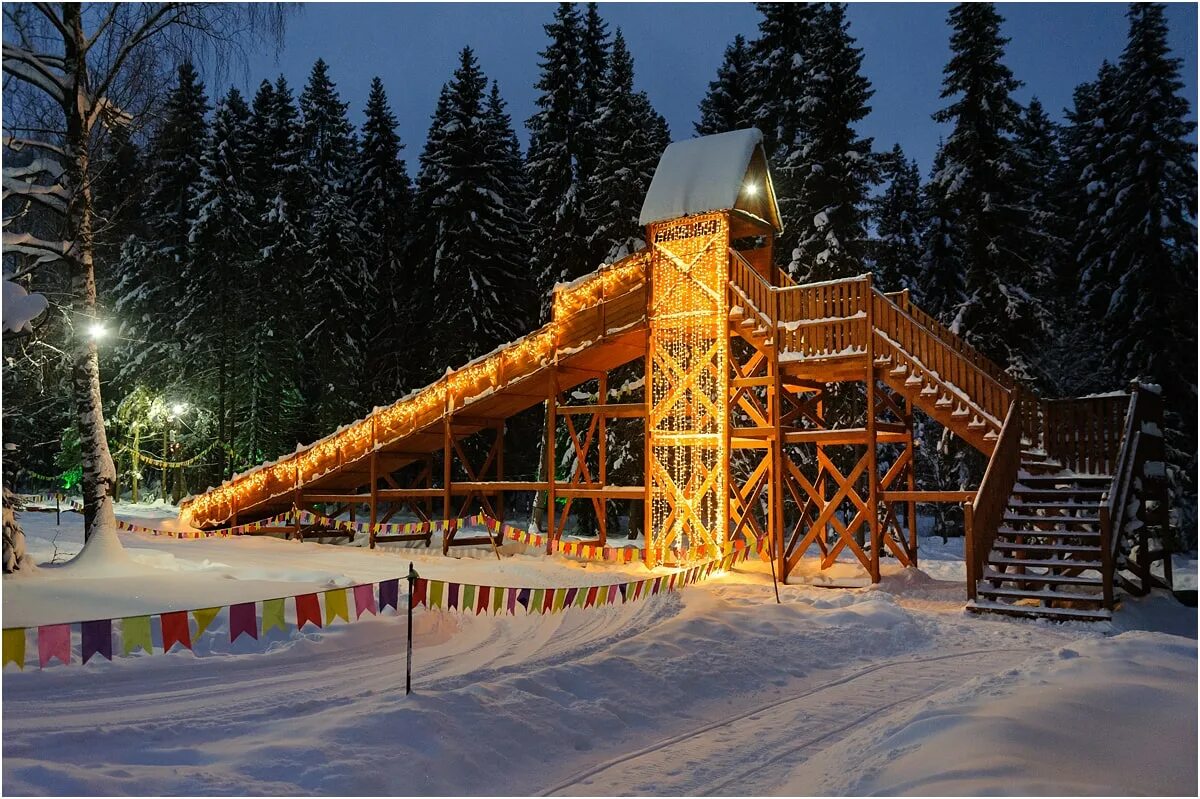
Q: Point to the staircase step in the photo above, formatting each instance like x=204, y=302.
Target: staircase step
x=960, y=412
x=1010, y=531
x=1009, y=546
x=1059, y=493
x=1056, y=505
x=1015, y=517
x=976, y=423
x=944, y=402
x=1049, y=579
x=1028, y=611
x=1064, y=479
x=1045, y=564
x=1020, y=593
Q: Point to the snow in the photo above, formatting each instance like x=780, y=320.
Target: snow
x=698, y=175
x=718, y=689
x=21, y=307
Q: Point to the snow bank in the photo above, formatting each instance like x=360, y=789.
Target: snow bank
x=1102, y=716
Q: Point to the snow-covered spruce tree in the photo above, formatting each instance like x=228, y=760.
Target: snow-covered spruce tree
x=560, y=247
x=217, y=272
x=831, y=170
x=470, y=225
x=1037, y=138
x=1149, y=327
x=336, y=295
x=382, y=203
x=594, y=47
x=151, y=290
x=981, y=180
x=726, y=104
x=274, y=300
x=896, y=249
x=941, y=280
x=625, y=163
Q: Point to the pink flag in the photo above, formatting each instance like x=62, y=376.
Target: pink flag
x=364, y=600
x=54, y=641
x=612, y=594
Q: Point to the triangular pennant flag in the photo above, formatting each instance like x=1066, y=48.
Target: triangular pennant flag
x=437, y=589
x=389, y=594
x=556, y=603
x=242, y=619
x=336, y=605
x=602, y=596
x=308, y=609
x=452, y=598
x=175, y=630
x=54, y=641
x=272, y=615
x=656, y=587
x=523, y=597
x=95, y=638
x=135, y=632
x=468, y=598
x=623, y=588
x=364, y=600
x=497, y=599
x=591, y=597
x=547, y=599
x=580, y=596
x=204, y=617
x=14, y=647
x=484, y=599
x=569, y=599
x=420, y=591
x=511, y=602
x=537, y=600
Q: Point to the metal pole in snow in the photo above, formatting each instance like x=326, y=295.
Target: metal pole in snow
x=412, y=584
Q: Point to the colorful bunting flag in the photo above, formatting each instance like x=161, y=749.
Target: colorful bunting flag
x=484, y=599
x=272, y=615
x=95, y=638
x=497, y=599
x=512, y=600
x=364, y=600
x=135, y=632
x=468, y=598
x=419, y=592
x=591, y=597
x=547, y=600
x=389, y=594
x=175, y=630
x=242, y=619
x=437, y=590
x=560, y=595
x=452, y=599
x=14, y=647
x=308, y=609
x=536, y=604
x=335, y=605
x=54, y=641
x=204, y=617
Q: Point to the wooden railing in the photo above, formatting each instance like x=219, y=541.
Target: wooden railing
x=981, y=516
x=1082, y=434
x=952, y=339
x=756, y=294
x=942, y=358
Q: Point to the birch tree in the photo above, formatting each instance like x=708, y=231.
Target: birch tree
x=74, y=73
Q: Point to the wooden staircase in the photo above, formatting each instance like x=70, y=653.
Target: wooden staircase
x=1048, y=557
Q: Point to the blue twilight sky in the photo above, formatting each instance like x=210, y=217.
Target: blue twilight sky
x=677, y=48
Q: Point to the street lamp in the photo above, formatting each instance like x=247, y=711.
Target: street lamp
x=97, y=331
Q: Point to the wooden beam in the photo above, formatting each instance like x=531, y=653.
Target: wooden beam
x=848, y=435
x=629, y=410
x=926, y=496
x=605, y=492
x=341, y=499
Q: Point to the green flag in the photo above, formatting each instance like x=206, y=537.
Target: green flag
x=135, y=632
x=272, y=615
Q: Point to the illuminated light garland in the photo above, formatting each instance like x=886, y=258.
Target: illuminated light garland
x=418, y=410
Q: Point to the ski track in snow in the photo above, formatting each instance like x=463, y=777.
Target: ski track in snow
x=717, y=690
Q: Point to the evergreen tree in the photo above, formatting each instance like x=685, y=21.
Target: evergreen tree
x=210, y=323
x=336, y=292
x=471, y=226
x=382, y=205
x=1037, y=139
x=593, y=70
x=830, y=171
x=1149, y=231
x=726, y=105
x=274, y=298
x=980, y=179
x=626, y=159
x=150, y=291
x=556, y=210
x=941, y=285
x=896, y=250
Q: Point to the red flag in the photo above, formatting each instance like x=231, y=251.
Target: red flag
x=548, y=600
x=484, y=598
x=308, y=608
x=591, y=597
x=420, y=591
x=175, y=630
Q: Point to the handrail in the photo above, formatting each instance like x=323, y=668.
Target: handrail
x=955, y=341
x=982, y=516
x=935, y=355
x=1117, y=497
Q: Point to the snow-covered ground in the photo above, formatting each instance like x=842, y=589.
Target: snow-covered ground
x=716, y=690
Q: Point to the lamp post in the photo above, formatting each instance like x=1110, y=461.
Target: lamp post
x=174, y=412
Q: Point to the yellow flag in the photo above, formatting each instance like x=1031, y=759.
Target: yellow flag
x=335, y=605
x=272, y=615
x=14, y=647
x=204, y=617
x=135, y=632
x=436, y=589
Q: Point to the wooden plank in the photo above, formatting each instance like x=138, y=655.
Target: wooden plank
x=634, y=410
x=927, y=496
x=605, y=492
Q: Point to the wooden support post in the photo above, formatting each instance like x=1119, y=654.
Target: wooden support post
x=872, y=437
x=499, y=506
x=775, y=407
x=374, y=490
x=911, y=510
x=969, y=548
x=601, y=503
x=551, y=427
x=447, y=463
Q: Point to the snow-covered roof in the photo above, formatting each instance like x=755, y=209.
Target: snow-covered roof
x=710, y=174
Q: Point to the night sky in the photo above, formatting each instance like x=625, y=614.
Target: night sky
x=677, y=49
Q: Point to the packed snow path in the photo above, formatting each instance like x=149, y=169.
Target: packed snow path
x=717, y=690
